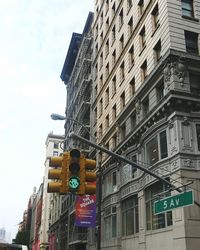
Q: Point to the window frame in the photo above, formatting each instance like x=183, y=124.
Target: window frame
x=130, y=210
x=150, y=198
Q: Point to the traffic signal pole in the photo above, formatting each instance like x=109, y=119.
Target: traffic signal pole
x=122, y=158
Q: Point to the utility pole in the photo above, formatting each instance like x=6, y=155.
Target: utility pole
x=122, y=158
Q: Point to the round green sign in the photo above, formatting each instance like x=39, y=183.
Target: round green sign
x=74, y=182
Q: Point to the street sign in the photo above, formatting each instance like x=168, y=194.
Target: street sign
x=175, y=201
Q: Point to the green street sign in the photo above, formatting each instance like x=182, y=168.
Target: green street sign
x=74, y=183
x=175, y=201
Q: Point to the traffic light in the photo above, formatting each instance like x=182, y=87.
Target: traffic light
x=74, y=170
x=87, y=176
x=60, y=173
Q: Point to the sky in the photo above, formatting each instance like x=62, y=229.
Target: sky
x=34, y=39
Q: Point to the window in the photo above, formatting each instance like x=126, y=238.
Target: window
x=114, y=86
x=56, y=145
x=131, y=56
x=114, y=112
x=107, y=24
x=156, y=221
x=107, y=122
x=110, y=222
x=95, y=91
x=96, y=49
x=107, y=48
x=100, y=131
x=101, y=37
x=133, y=121
x=144, y=70
x=97, y=31
x=114, y=141
x=100, y=82
x=123, y=131
x=96, y=70
x=142, y=38
x=194, y=83
x=130, y=26
x=106, y=97
x=153, y=148
x=129, y=4
x=113, y=9
x=163, y=145
x=145, y=106
x=191, y=41
x=157, y=51
x=121, y=18
x=55, y=153
x=95, y=115
x=187, y=8
x=114, y=58
x=122, y=100
x=121, y=43
x=110, y=183
x=152, y=151
x=155, y=17
x=160, y=90
x=107, y=70
x=113, y=34
x=101, y=19
x=122, y=75
x=132, y=87
x=100, y=107
x=141, y=7
x=130, y=218
x=101, y=60
x=198, y=135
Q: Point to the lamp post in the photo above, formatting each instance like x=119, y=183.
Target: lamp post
x=55, y=116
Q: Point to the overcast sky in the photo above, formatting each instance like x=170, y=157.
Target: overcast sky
x=34, y=39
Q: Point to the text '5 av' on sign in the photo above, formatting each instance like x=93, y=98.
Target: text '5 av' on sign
x=175, y=201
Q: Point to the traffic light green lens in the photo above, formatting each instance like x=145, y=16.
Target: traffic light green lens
x=74, y=182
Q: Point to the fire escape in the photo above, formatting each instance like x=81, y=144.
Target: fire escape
x=79, y=93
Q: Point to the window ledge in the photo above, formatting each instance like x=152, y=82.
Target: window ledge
x=130, y=68
x=142, y=50
x=156, y=28
x=113, y=42
x=191, y=18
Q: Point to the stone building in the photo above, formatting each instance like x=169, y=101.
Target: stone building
x=146, y=101
x=50, y=202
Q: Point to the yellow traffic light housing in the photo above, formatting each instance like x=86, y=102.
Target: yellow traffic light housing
x=87, y=176
x=60, y=173
x=74, y=170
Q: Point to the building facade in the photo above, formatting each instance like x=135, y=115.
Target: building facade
x=76, y=75
x=146, y=89
x=50, y=202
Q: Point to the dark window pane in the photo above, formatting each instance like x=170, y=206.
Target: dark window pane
x=163, y=145
x=152, y=151
x=187, y=8
x=198, y=135
x=194, y=83
x=191, y=41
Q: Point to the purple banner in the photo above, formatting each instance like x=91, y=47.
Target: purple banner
x=85, y=211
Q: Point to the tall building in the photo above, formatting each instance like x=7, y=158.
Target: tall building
x=146, y=101
x=2, y=235
x=76, y=75
x=50, y=202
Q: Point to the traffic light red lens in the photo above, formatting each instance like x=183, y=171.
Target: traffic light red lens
x=75, y=153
